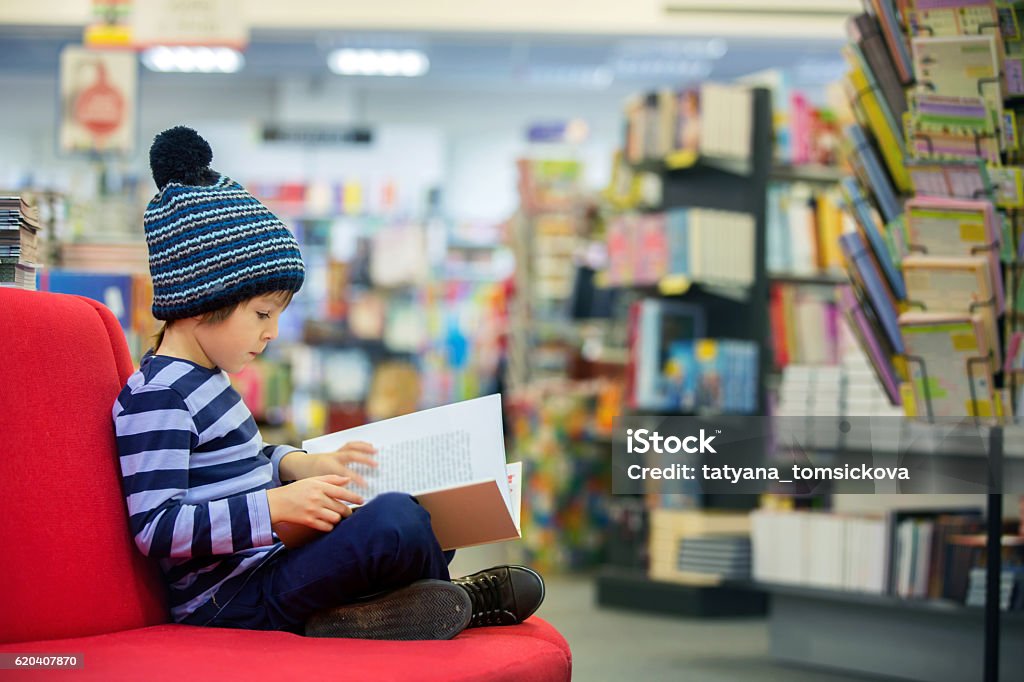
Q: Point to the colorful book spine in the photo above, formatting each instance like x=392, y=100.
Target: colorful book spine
x=863, y=93
x=864, y=272
x=865, y=157
x=894, y=39
x=865, y=31
x=874, y=347
x=861, y=210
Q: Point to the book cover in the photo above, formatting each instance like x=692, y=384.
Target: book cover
x=954, y=284
x=957, y=227
x=949, y=364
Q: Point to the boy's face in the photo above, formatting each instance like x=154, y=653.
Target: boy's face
x=235, y=342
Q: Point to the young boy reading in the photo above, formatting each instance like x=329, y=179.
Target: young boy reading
x=204, y=492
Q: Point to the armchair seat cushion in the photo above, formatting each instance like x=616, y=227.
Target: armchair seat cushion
x=531, y=652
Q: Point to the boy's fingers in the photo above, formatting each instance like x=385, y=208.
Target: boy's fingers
x=362, y=459
x=339, y=493
x=358, y=480
x=330, y=516
x=335, y=479
x=333, y=506
x=360, y=445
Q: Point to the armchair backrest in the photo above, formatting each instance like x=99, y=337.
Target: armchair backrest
x=69, y=567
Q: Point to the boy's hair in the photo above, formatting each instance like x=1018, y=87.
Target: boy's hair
x=220, y=314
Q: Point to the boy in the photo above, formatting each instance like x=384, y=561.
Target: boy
x=204, y=492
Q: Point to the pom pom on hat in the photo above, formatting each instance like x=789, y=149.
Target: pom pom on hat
x=181, y=155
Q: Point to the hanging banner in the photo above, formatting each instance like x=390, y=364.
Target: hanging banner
x=98, y=100
x=111, y=24
x=211, y=23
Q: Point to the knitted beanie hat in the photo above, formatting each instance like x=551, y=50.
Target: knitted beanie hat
x=211, y=243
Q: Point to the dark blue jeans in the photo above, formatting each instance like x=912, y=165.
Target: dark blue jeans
x=386, y=544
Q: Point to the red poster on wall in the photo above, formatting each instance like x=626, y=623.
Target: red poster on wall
x=98, y=100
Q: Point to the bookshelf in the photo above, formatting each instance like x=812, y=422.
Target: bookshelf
x=707, y=182
x=888, y=635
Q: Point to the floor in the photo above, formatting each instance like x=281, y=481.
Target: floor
x=625, y=646
x=619, y=645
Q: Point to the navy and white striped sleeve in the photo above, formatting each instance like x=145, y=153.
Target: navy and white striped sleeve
x=276, y=453
x=155, y=437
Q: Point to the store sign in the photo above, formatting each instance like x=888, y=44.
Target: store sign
x=111, y=24
x=189, y=22
x=573, y=131
x=98, y=100
x=140, y=24
x=318, y=135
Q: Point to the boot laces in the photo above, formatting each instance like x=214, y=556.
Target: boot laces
x=485, y=593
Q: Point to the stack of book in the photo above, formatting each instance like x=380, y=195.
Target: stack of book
x=911, y=554
x=725, y=556
x=805, y=325
x=819, y=550
x=804, y=225
x=701, y=245
x=673, y=368
x=661, y=123
x=1011, y=589
x=848, y=389
x=698, y=547
x=19, y=242
x=674, y=127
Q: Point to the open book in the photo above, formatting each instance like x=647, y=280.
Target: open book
x=451, y=458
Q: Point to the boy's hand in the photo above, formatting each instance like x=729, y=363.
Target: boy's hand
x=299, y=465
x=313, y=502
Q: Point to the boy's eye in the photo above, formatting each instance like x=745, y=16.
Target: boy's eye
x=263, y=316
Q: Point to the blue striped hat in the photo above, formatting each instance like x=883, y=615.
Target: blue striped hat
x=211, y=243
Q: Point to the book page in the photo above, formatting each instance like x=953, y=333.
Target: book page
x=431, y=449
x=515, y=489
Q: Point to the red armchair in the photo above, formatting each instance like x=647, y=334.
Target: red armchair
x=71, y=580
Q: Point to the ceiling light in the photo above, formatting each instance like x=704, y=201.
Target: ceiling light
x=349, y=62
x=188, y=59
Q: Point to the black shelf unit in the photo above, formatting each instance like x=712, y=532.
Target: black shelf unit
x=882, y=601
x=815, y=174
x=798, y=612
x=632, y=589
x=728, y=185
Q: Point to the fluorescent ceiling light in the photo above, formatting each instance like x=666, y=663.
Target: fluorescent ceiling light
x=590, y=77
x=352, y=62
x=188, y=59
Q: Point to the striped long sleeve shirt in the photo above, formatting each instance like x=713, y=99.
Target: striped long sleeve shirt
x=195, y=472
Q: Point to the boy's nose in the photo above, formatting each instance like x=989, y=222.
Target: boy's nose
x=271, y=333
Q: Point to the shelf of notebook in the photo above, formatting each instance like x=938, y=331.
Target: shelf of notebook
x=825, y=175
x=631, y=588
